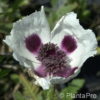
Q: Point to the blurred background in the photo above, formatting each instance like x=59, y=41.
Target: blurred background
x=15, y=83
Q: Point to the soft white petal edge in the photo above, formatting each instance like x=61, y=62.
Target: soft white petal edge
x=43, y=82
x=69, y=25
x=34, y=23
x=47, y=82
x=25, y=62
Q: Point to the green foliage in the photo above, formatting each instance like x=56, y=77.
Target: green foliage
x=4, y=72
x=51, y=94
x=9, y=12
x=53, y=2
x=5, y=28
x=32, y=92
x=98, y=38
x=98, y=50
x=15, y=78
x=65, y=9
x=82, y=9
x=72, y=88
x=56, y=15
x=1, y=58
x=78, y=6
x=18, y=96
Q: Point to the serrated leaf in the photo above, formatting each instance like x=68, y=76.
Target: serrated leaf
x=18, y=96
x=71, y=89
x=56, y=15
x=65, y=9
x=50, y=94
x=30, y=90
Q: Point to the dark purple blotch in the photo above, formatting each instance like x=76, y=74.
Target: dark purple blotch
x=69, y=43
x=33, y=43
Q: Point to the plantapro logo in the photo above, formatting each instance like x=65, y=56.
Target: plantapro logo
x=80, y=95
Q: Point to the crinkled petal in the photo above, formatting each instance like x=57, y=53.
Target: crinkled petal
x=47, y=82
x=25, y=62
x=35, y=25
x=62, y=80
x=43, y=82
x=69, y=26
x=68, y=30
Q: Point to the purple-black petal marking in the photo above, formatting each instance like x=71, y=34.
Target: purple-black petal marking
x=33, y=42
x=69, y=44
x=54, y=62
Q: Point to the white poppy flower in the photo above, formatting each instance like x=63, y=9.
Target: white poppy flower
x=53, y=57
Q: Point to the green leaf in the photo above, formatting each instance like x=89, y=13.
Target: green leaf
x=50, y=94
x=56, y=15
x=19, y=3
x=71, y=89
x=15, y=78
x=86, y=13
x=53, y=2
x=98, y=50
x=1, y=58
x=65, y=9
x=5, y=28
x=4, y=72
x=30, y=90
x=18, y=96
x=52, y=19
x=98, y=38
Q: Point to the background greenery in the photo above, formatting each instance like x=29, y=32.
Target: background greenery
x=15, y=83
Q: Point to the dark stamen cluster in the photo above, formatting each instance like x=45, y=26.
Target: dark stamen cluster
x=52, y=57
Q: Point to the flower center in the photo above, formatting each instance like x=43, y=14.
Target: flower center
x=52, y=58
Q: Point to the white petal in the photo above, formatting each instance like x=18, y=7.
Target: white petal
x=69, y=25
x=43, y=82
x=47, y=82
x=61, y=80
x=34, y=23
x=25, y=62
